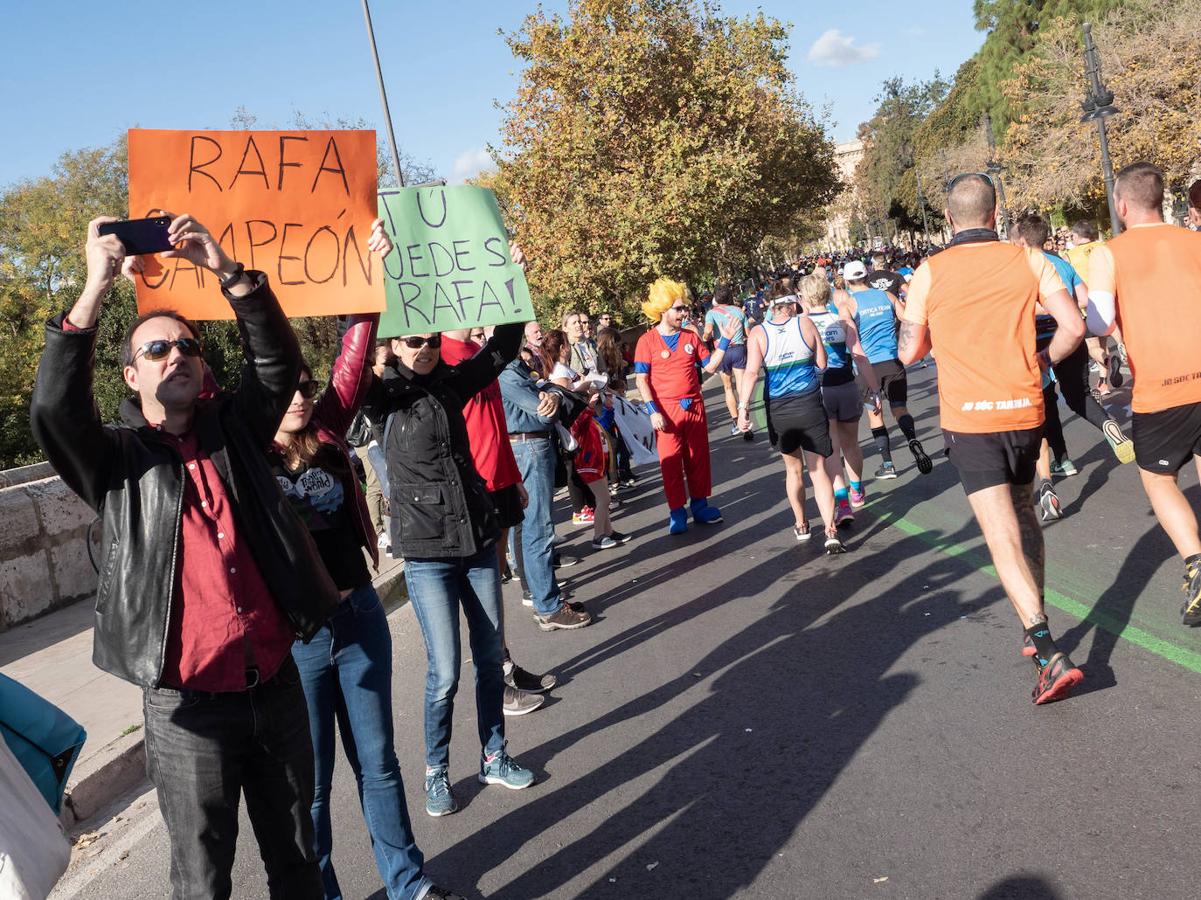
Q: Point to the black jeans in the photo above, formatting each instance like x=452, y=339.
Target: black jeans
x=203, y=751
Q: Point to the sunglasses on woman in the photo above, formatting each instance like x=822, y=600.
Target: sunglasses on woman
x=157, y=350
x=308, y=389
x=413, y=342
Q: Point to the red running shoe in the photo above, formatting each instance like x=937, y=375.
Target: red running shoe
x=1056, y=680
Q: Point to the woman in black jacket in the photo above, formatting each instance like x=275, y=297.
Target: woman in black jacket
x=444, y=526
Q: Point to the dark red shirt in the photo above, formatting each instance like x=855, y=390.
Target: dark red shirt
x=224, y=619
x=486, y=426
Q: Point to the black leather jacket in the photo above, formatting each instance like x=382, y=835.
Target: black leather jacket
x=135, y=480
x=440, y=505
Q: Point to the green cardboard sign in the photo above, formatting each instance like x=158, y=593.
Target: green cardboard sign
x=450, y=267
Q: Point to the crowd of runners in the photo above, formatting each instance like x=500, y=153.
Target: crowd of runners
x=235, y=586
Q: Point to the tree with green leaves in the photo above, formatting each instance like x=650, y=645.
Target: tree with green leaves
x=654, y=137
x=885, y=179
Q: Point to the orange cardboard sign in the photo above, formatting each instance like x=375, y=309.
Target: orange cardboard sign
x=297, y=205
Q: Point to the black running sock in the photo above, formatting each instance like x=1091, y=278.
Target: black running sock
x=1044, y=646
x=881, y=437
x=906, y=424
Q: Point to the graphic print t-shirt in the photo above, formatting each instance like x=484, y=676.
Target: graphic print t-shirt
x=318, y=497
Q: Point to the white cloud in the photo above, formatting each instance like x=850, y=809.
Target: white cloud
x=834, y=48
x=469, y=164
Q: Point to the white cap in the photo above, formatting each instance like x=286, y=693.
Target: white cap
x=854, y=271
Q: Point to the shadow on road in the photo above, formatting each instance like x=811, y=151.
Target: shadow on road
x=1021, y=887
x=777, y=712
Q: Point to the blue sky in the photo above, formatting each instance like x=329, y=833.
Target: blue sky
x=77, y=73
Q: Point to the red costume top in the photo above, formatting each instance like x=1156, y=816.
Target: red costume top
x=673, y=374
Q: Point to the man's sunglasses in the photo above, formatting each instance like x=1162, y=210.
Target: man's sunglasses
x=679, y=309
x=413, y=342
x=308, y=389
x=156, y=350
x=958, y=178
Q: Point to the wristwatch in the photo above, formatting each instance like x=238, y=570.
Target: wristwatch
x=234, y=277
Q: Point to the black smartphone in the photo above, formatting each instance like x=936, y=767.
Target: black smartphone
x=140, y=236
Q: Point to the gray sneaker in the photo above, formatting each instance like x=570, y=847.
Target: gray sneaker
x=439, y=799
x=502, y=769
x=518, y=703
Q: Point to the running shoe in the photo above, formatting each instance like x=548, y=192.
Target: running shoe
x=585, y=516
x=924, y=465
x=604, y=542
x=843, y=514
x=801, y=532
x=439, y=798
x=519, y=679
x=1114, y=366
x=1048, y=502
x=630, y=480
x=1094, y=366
x=1122, y=446
x=834, y=546
x=619, y=537
x=1122, y=355
x=502, y=769
x=1190, y=613
x=1064, y=468
x=748, y=435
x=1056, y=680
x=735, y=430
x=888, y=470
x=858, y=498
x=506, y=574
x=518, y=703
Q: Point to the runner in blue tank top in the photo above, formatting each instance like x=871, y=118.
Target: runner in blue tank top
x=840, y=396
x=733, y=364
x=789, y=350
x=876, y=313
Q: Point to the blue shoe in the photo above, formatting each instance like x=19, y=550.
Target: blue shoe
x=704, y=513
x=439, y=800
x=502, y=769
x=678, y=523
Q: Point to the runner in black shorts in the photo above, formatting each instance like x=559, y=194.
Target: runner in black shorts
x=798, y=423
x=990, y=460
x=791, y=352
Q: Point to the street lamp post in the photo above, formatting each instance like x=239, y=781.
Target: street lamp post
x=994, y=170
x=921, y=201
x=1098, y=106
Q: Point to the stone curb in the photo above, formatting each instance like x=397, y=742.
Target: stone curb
x=104, y=776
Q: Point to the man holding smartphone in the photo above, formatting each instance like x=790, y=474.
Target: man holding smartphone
x=206, y=575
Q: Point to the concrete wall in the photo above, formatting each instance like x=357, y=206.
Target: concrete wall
x=44, y=561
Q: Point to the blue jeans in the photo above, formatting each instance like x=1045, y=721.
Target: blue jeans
x=437, y=587
x=346, y=671
x=536, y=462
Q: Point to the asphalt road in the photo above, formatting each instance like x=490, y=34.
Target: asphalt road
x=748, y=718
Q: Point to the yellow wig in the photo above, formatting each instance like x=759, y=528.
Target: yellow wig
x=663, y=296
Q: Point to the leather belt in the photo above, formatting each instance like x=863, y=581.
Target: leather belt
x=530, y=436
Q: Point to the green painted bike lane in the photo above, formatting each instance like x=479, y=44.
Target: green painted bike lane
x=1073, y=586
